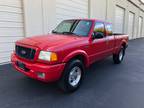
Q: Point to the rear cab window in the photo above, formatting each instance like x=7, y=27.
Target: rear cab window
x=109, y=29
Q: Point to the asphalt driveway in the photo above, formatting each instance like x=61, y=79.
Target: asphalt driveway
x=105, y=86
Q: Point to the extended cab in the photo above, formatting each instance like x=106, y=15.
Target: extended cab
x=64, y=54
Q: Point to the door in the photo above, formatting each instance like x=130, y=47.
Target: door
x=69, y=9
x=131, y=25
x=11, y=27
x=98, y=44
x=140, y=27
x=119, y=20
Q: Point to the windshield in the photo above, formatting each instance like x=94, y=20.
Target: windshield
x=74, y=27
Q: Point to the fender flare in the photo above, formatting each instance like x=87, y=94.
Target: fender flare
x=124, y=42
x=76, y=53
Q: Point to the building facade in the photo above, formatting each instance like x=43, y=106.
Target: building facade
x=24, y=18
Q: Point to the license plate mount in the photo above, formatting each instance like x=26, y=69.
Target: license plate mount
x=21, y=65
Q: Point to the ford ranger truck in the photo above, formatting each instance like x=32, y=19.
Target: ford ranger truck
x=64, y=55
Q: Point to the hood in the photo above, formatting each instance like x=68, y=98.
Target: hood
x=49, y=41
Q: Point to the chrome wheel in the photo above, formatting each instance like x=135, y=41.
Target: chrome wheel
x=121, y=54
x=75, y=76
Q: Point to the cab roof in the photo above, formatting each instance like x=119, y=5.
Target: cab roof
x=90, y=19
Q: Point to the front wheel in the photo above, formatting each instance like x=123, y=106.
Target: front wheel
x=118, y=58
x=72, y=76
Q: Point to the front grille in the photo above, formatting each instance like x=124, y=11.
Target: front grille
x=24, y=52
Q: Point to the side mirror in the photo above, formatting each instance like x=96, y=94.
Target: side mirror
x=93, y=35
x=52, y=31
x=97, y=35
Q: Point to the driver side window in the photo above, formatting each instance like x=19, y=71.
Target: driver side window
x=99, y=30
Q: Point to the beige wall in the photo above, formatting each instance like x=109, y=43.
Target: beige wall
x=49, y=15
x=40, y=17
x=33, y=17
x=98, y=9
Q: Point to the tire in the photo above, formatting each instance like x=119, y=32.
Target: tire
x=72, y=76
x=118, y=58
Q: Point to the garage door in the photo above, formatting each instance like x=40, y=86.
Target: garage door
x=68, y=9
x=11, y=27
x=131, y=25
x=119, y=20
x=140, y=27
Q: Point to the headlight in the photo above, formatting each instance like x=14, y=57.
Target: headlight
x=48, y=56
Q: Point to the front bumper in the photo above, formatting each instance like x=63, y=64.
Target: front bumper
x=51, y=72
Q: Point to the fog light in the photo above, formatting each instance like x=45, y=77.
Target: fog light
x=41, y=75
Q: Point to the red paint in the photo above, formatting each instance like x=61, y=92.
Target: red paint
x=66, y=48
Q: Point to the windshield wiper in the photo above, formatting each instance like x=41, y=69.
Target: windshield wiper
x=56, y=32
x=69, y=33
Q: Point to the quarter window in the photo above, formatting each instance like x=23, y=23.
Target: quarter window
x=109, y=29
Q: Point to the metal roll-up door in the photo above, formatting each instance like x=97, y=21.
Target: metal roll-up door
x=11, y=27
x=131, y=25
x=140, y=23
x=69, y=9
x=119, y=20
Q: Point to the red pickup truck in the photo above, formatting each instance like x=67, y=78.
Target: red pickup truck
x=65, y=54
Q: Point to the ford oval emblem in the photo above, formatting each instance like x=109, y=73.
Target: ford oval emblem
x=23, y=52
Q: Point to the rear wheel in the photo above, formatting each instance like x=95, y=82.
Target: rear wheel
x=72, y=76
x=118, y=58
